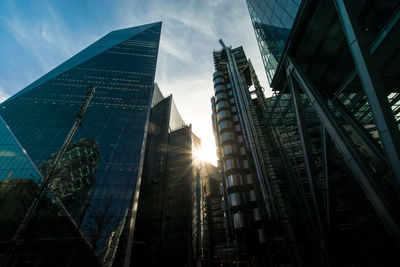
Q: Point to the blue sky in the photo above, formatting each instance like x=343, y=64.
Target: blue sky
x=37, y=36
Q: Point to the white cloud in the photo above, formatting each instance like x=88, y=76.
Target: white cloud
x=44, y=35
x=169, y=46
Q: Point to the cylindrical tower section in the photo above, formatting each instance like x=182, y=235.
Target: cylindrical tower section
x=232, y=163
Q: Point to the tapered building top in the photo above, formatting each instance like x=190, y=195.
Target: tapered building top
x=107, y=42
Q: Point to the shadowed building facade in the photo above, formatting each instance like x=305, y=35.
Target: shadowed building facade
x=332, y=127
x=209, y=222
x=51, y=237
x=163, y=232
x=240, y=152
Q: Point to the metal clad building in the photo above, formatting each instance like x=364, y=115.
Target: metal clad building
x=333, y=124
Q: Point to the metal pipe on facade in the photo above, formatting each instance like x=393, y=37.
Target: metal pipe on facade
x=245, y=127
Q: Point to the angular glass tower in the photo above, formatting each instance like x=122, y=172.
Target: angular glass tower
x=104, y=183
x=163, y=232
x=272, y=21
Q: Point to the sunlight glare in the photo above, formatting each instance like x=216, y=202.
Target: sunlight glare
x=206, y=153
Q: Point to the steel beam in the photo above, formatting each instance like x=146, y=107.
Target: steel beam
x=350, y=154
x=385, y=31
x=305, y=144
x=298, y=191
x=356, y=102
x=395, y=99
x=309, y=163
x=325, y=172
x=373, y=47
x=373, y=88
x=286, y=111
x=345, y=83
x=395, y=112
x=365, y=137
x=363, y=115
x=271, y=112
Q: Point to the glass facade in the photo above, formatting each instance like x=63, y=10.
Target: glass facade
x=157, y=95
x=14, y=161
x=272, y=21
x=162, y=232
x=164, y=119
x=150, y=208
x=19, y=181
x=104, y=160
x=74, y=175
x=177, y=201
x=19, y=186
x=175, y=122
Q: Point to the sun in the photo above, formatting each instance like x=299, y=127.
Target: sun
x=200, y=154
x=207, y=152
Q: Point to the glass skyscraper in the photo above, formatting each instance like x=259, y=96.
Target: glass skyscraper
x=151, y=234
x=106, y=154
x=272, y=21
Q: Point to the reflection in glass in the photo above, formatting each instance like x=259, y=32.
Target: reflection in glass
x=74, y=175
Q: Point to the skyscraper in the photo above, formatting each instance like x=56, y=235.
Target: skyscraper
x=272, y=21
x=333, y=126
x=240, y=154
x=121, y=66
x=163, y=226
x=209, y=231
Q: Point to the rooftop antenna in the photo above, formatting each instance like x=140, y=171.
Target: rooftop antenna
x=222, y=43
